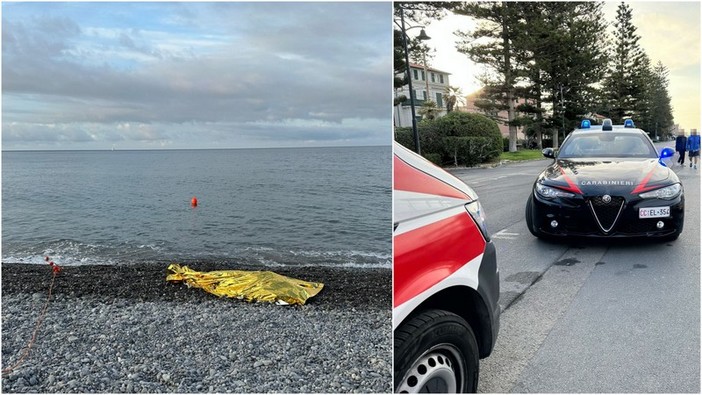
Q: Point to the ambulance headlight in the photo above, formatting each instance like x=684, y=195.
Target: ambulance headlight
x=475, y=209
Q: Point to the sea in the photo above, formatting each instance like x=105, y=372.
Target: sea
x=265, y=207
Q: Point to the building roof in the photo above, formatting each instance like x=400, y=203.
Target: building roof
x=421, y=67
x=594, y=115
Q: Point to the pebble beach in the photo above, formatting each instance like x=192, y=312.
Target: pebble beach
x=123, y=329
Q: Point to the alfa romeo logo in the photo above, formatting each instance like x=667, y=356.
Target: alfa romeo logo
x=606, y=198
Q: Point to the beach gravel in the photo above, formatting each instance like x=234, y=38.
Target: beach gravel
x=123, y=329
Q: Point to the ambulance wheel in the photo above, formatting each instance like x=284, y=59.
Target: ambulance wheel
x=435, y=351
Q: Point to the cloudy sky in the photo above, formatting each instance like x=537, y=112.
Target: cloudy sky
x=195, y=75
x=670, y=32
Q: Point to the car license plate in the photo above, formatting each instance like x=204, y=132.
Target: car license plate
x=654, y=212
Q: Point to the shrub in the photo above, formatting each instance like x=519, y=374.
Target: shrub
x=434, y=158
x=429, y=139
x=469, y=150
x=458, y=138
x=405, y=137
x=485, y=142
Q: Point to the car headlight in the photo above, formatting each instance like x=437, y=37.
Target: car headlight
x=669, y=192
x=550, y=193
x=475, y=209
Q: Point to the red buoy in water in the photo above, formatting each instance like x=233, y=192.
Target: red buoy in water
x=193, y=202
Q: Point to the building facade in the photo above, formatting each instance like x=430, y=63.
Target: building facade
x=428, y=84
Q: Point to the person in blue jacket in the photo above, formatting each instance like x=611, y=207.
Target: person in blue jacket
x=693, y=146
x=681, y=147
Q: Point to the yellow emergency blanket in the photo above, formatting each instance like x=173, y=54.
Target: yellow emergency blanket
x=260, y=286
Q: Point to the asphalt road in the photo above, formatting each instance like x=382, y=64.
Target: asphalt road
x=590, y=316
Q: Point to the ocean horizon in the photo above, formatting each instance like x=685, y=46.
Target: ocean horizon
x=194, y=149
x=319, y=206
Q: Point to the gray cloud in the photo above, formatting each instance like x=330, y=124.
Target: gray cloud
x=188, y=135
x=313, y=61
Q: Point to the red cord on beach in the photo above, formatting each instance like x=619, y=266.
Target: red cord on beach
x=55, y=269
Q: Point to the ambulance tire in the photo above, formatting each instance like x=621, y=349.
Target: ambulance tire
x=436, y=349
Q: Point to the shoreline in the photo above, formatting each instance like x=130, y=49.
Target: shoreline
x=343, y=287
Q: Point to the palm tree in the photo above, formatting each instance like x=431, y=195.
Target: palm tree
x=429, y=110
x=454, y=96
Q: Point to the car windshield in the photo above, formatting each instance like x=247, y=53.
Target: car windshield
x=607, y=145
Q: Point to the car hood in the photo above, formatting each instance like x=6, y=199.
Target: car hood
x=607, y=176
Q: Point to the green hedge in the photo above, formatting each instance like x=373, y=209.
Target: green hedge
x=470, y=151
x=433, y=158
x=456, y=138
x=430, y=138
x=404, y=137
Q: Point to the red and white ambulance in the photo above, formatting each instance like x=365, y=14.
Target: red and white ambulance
x=446, y=281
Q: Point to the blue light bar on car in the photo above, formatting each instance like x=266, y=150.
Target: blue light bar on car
x=629, y=123
x=585, y=124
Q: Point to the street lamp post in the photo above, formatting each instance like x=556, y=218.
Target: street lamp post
x=422, y=36
x=426, y=75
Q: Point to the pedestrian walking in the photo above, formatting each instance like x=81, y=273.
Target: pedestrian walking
x=681, y=147
x=693, y=146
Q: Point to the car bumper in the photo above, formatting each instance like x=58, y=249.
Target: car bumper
x=489, y=290
x=575, y=218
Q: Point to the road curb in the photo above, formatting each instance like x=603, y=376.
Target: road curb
x=491, y=165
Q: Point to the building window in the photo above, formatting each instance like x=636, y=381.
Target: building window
x=433, y=77
x=441, y=78
x=439, y=101
x=424, y=94
x=414, y=91
x=422, y=75
x=416, y=76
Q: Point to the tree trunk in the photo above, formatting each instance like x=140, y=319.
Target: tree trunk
x=539, y=117
x=510, y=117
x=509, y=83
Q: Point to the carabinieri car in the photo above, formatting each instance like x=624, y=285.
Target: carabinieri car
x=609, y=182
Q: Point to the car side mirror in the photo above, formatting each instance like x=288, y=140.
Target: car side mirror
x=665, y=153
x=548, y=152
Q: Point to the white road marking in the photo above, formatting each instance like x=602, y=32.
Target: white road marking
x=480, y=180
x=505, y=235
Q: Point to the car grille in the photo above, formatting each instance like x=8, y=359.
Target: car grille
x=606, y=214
